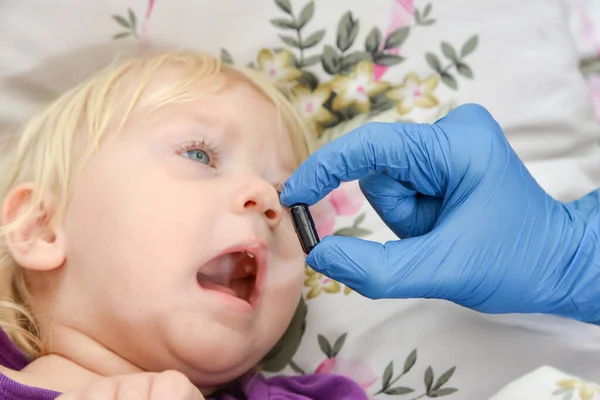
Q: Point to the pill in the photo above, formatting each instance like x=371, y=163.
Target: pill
x=305, y=227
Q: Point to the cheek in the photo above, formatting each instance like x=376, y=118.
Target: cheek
x=283, y=286
x=140, y=233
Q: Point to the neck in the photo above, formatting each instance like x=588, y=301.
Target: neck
x=74, y=360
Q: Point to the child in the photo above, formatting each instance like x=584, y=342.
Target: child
x=142, y=232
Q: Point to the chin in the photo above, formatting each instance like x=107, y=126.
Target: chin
x=212, y=354
x=225, y=367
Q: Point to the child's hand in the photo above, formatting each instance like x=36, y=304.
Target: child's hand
x=170, y=385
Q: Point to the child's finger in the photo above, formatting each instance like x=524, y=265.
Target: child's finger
x=173, y=385
x=103, y=389
x=135, y=387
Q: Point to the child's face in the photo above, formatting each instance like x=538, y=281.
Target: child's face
x=152, y=215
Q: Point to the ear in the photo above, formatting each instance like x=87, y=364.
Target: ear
x=34, y=242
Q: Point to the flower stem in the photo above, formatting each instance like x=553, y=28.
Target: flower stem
x=419, y=397
x=397, y=378
x=390, y=384
x=443, y=70
x=296, y=368
x=301, y=47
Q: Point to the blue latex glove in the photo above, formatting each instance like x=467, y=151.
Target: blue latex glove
x=476, y=227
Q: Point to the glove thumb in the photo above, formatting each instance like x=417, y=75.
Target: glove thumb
x=396, y=269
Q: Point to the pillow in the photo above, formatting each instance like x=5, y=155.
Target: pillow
x=548, y=383
x=347, y=63
x=527, y=75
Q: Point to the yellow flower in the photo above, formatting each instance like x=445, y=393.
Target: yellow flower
x=278, y=66
x=414, y=92
x=356, y=88
x=310, y=106
x=319, y=283
x=586, y=391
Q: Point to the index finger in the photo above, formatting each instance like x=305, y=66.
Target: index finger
x=406, y=152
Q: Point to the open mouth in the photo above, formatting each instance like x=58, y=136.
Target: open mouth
x=233, y=273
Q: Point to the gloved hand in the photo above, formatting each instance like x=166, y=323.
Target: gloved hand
x=476, y=228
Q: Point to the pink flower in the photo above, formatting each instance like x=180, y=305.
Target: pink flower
x=401, y=14
x=344, y=201
x=356, y=370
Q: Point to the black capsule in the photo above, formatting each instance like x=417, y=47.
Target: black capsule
x=305, y=227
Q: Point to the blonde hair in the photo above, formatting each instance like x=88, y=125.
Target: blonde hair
x=44, y=152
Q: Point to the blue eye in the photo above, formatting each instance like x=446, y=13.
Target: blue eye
x=197, y=155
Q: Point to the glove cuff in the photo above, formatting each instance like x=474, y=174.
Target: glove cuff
x=582, y=274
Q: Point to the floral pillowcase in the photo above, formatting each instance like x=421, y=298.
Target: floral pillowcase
x=347, y=63
x=341, y=76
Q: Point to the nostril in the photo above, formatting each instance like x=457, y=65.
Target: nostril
x=270, y=214
x=249, y=203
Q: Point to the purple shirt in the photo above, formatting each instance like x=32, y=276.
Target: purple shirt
x=316, y=386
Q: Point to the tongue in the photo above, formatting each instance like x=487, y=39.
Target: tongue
x=243, y=287
x=227, y=274
x=215, y=286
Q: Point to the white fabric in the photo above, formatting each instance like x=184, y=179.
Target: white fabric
x=547, y=383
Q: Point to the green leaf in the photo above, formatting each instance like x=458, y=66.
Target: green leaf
x=449, y=81
x=121, y=35
x=382, y=105
x=445, y=377
x=387, y=59
x=290, y=41
x=428, y=22
x=427, y=10
x=349, y=61
x=306, y=14
x=284, y=5
x=464, y=70
x=346, y=32
x=428, y=379
x=433, y=61
x=325, y=346
x=226, y=57
x=312, y=60
x=441, y=392
x=308, y=78
x=469, y=46
x=373, y=40
x=449, y=51
x=387, y=374
x=132, y=19
x=410, y=361
x=396, y=38
x=313, y=39
x=417, y=15
x=339, y=343
x=285, y=349
x=251, y=65
x=295, y=61
x=359, y=220
x=283, y=23
x=330, y=60
x=121, y=21
x=296, y=368
x=398, y=390
x=352, y=232
x=353, y=33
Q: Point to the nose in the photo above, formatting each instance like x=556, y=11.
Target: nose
x=256, y=195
